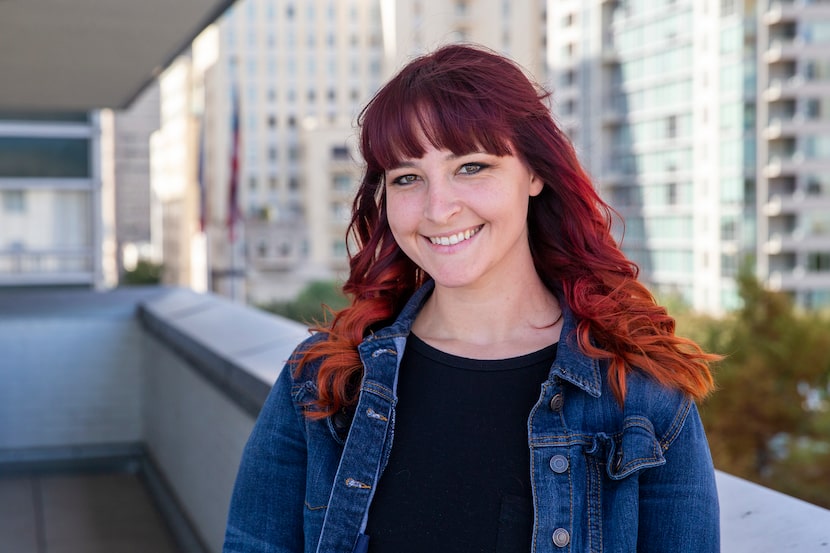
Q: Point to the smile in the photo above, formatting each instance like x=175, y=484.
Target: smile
x=454, y=238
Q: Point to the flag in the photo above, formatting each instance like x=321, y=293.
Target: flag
x=233, y=189
x=200, y=177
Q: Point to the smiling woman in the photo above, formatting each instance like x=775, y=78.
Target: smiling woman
x=538, y=397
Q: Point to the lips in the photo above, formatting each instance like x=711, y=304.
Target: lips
x=452, y=239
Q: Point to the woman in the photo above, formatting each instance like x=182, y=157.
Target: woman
x=501, y=382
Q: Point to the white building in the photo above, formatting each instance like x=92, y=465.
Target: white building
x=793, y=118
x=676, y=107
x=517, y=29
x=56, y=210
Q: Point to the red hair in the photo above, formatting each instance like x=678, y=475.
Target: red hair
x=462, y=99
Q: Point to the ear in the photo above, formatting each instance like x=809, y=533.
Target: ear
x=536, y=185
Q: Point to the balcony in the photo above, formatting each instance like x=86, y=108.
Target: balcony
x=168, y=382
x=780, y=11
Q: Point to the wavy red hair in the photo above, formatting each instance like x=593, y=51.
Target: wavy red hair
x=465, y=98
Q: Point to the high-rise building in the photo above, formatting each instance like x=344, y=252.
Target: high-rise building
x=299, y=70
x=794, y=149
x=132, y=129
x=414, y=27
x=56, y=216
x=669, y=104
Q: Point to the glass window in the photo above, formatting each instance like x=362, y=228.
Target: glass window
x=342, y=182
x=817, y=147
x=44, y=157
x=339, y=152
x=14, y=201
x=338, y=249
x=728, y=265
x=818, y=262
x=46, y=116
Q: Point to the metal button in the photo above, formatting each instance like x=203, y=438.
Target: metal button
x=556, y=402
x=561, y=537
x=558, y=464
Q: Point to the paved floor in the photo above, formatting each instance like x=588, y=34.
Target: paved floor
x=80, y=513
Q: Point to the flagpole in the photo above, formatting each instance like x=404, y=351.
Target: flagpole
x=233, y=192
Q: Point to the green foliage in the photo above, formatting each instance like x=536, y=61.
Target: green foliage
x=768, y=421
x=313, y=304
x=145, y=273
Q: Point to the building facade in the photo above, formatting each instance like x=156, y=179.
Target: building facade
x=794, y=149
x=56, y=211
x=686, y=114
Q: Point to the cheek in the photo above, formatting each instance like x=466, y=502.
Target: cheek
x=399, y=220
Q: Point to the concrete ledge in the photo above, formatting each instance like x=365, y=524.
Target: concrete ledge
x=757, y=519
x=239, y=349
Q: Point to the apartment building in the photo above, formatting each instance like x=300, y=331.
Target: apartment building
x=692, y=117
x=56, y=217
x=517, y=29
x=794, y=149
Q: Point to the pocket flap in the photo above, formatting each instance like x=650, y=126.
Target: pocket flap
x=633, y=449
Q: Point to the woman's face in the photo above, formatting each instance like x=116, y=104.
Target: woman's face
x=463, y=219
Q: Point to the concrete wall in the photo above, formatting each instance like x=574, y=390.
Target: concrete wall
x=54, y=393
x=209, y=365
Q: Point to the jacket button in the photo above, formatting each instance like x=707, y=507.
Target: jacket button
x=556, y=402
x=561, y=537
x=558, y=464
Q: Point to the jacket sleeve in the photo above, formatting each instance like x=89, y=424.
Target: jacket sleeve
x=679, y=501
x=266, y=510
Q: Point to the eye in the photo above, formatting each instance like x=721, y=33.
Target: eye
x=404, y=179
x=471, y=168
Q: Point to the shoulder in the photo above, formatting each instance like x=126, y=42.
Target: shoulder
x=664, y=407
x=308, y=370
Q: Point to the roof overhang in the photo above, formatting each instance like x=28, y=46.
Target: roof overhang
x=78, y=55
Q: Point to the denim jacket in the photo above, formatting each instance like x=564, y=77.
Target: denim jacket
x=604, y=478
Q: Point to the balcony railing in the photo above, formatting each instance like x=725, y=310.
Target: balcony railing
x=177, y=378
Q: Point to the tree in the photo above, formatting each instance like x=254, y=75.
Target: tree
x=312, y=304
x=145, y=273
x=768, y=421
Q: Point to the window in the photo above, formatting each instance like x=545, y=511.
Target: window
x=729, y=265
x=14, y=201
x=671, y=126
x=672, y=193
x=728, y=228
x=342, y=182
x=338, y=249
x=339, y=152
x=818, y=262
x=727, y=8
x=44, y=157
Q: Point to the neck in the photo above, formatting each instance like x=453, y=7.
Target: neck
x=484, y=323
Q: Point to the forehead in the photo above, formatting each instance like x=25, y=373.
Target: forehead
x=424, y=130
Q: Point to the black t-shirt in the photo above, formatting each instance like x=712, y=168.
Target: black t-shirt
x=458, y=477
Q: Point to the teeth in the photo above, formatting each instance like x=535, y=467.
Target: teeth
x=453, y=239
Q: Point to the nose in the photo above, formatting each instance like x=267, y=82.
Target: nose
x=441, y=202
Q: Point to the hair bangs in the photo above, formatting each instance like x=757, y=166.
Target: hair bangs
x=400, y=124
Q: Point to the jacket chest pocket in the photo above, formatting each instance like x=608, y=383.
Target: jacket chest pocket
x=614, y=463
